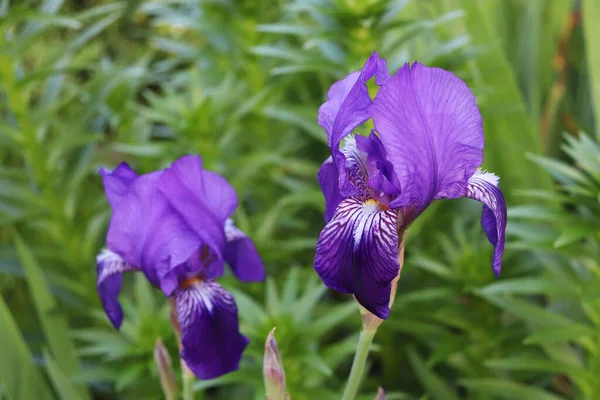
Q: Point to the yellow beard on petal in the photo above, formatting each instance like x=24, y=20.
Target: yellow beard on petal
x=373, y=203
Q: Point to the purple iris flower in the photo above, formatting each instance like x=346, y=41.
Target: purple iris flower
x=427, y=145
x=173, y=225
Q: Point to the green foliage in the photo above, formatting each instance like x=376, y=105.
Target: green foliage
x=591, y=13
x=18, y=375
x=87, y=84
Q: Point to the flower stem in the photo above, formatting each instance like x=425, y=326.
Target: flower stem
x=188, y=383
x=358, y=365
x=187, y=376
x=370, y=324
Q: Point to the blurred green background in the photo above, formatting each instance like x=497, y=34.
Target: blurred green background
x=87, y=83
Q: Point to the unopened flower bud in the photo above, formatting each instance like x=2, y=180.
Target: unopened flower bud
x=381, y=395
x=168, y=382
x=273, y=372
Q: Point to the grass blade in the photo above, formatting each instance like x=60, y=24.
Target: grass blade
x=18, y=375
x=591, y=30
x=55, y=327
x=436, y=387
x=63, y=386
x=506, y=121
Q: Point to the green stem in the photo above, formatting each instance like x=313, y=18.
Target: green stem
x=188, y=385
x=358, y=365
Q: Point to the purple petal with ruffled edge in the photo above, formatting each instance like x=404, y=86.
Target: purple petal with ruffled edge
x=348, y=106
x=147, y=232
x=212, y=343
x=357, y=252
x=432, y=130
x=110, y=267
x=483, y=187
x=204, y=199
x=241, y=255
x=219, y=195
x=117, y=182
x=382, y=76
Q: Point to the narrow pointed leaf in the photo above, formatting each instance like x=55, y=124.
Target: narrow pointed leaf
x=54, y=325
x=18, y=375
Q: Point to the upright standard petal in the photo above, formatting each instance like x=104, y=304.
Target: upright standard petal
x=382, y=178
x=357, y=252
x=382, y=76
x=432, y=130
x=348, y=106
x=204, y=199
x=109, y=268
x=148, y=233
x=117, y=182
x=211, y=342
x=241, y=255
x=483, y=186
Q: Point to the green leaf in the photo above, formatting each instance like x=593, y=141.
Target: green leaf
x=446, y=347
x=63, y=386
x=435, y=386
x=434, y=267
x=591, y=30
x=420, y=330
x=305, y=305
x=506, y=389
x=535, y=363
x=580, y=376
x=290, y=290
x=335, y=316
x=249, y=310
x=564, y=173
x=303, y=118
x=529, y=312
x=286, y=29
x=47, y=19
x=573, y=233
x=569, y=333
x=505, y=117
x=54, y=325
x=530, y=286
x=18, y=376
x=233, y=377
x=272, y=301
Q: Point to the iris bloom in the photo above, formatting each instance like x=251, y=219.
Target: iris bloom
x=427, y=145
x=173, y=225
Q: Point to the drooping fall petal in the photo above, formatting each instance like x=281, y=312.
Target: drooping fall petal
x=483, y=186
x=110, y=268
x=208, y=316
x=241, y=255
x=357, y=252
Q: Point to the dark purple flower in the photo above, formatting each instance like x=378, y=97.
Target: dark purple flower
x=173, y=225
x=427, y=145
